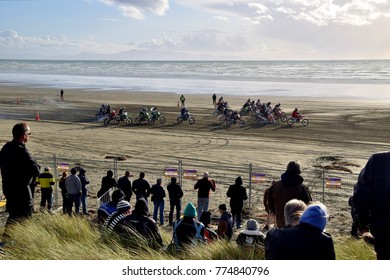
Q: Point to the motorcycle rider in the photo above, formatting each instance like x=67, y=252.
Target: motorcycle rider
x=143, y=113
x=184, y=112
x=296, y=115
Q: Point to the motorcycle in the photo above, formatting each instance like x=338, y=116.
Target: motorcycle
x=185, y=117
x=279, y=114
x=303, y=120
x=144, y=118
x=262, y=120
x=109, y=117
x=156, y=115
x=123, y=117
x=235, y=119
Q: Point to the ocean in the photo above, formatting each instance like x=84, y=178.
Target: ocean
x=333, y=78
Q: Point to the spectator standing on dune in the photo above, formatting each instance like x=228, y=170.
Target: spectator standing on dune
x=18, y=171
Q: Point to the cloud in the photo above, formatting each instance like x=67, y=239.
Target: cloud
x=316, y=12
x=137, y=8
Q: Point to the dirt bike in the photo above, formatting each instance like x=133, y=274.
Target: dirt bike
x=143, y=118
x=280, y=115
x=230, y=121
x=156, y=115
x=303, y=120
x=185, y=117
x=123, y=117
x=261, y=120
x=109, y=117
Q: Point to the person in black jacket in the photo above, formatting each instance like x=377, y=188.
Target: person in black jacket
x=175, y=194
x=158, y=194
x=141, y=187
x=108, y=182
x=138, y=224
x=124, y=184
x=237, y=194
x=307, y=240
x=371, y=200
x=18, y=170
x=84, y=191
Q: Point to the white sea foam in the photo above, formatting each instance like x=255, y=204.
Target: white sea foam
x=337, y=79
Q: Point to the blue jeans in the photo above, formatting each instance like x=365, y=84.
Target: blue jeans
x=84, y=202
x=203, y=205
x=159, y=206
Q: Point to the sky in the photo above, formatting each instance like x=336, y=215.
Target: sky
x=195, y=29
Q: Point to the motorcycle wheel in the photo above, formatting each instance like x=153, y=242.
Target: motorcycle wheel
x=163, y=120
x=151, y=121
x=290, y=121
x=97, y=116
x=283, y=118
x=221, y=120
x=216, y=113
x=305, y=122
x=106, y=121
x=229, y=122
x=129, y=121
x=179, y=120
x=242, y=123
x=275, y=123
x=191, y=120
x=138, y=120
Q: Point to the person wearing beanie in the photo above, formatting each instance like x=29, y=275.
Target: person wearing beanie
x=225, y=224
x=187, y=230
x=204, y=186
x=237, y=194
x=123, y=209
x=139, y=225
x=292, y=212
x=175, y=193
x=46, y=181
x=289, y=187
x=251, y=236
x=307, y=240
x=106, y=209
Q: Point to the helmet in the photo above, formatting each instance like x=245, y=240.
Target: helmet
x=185, y=108
x=278, y=104
x=296, y=109
x=144, y=109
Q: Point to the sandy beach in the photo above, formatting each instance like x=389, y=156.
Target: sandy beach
x=347, y=130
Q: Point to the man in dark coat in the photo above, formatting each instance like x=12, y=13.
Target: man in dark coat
x=141, y=187
x=237, y=194
x=290, y=186
x=108, y=182
x=307, y=240
x=18, y=170
x=175, y=194
x=124, y=184
x=371, y=200
x=139, y=223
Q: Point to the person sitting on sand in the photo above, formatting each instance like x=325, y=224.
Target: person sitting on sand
x=209, y=234
x=251, y=236
x=109, y=207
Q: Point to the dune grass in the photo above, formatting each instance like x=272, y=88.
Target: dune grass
x=60, y=237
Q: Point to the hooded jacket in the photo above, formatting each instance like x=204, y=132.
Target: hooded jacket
x=289, y=187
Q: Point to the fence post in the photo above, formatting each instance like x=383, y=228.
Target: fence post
x=116, y=169
x=56, y=181
x=250, y=189
x=180, y=173
x=323, y=186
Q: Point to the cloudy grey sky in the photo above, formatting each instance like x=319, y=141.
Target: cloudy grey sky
x=195, y=29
